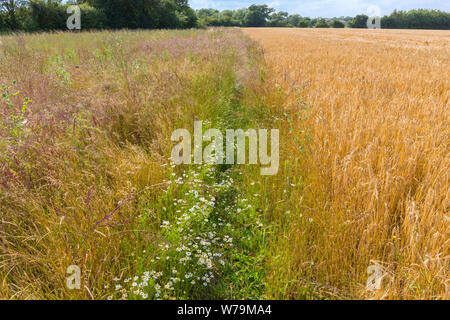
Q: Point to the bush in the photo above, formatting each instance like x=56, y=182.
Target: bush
x=92, y=18
x=304, y=23
x=47, y=16
x=188, y=18
x=321, y=23
x=417, y=19
x=2, y=22
x=360, y=21
x=337, y=24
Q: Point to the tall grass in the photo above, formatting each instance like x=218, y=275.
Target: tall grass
x=83, y=162
x=366, y=170
x=85, y=127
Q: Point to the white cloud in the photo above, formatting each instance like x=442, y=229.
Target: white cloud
x=274, y=4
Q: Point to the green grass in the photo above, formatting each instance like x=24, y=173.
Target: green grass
x=211, y=243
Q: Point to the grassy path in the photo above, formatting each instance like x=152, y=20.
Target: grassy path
x=212, y=241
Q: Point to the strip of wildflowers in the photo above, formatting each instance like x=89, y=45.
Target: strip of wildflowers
x=200, y=210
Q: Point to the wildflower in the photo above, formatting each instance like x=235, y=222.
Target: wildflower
x=168, y=286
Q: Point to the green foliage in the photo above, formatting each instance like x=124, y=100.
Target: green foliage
x=92, y=18
x=337, y=24
x=321, y=23
x=257, y=15
x=12, y=14
x=52, y=15
x=2, y=21
x=146, y=13
x=15, y=122
x=47, y=15
x=31, y=15
x=417, y=19
x=212, y=17
x=304, y=23
x=278, y=19
x=360, y=21
x=293, y=20
x=239, y=15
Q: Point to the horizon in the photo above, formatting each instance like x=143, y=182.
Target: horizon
x=325, y=8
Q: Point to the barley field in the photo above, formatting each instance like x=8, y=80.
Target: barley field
x=373, y=182
x=86, y=180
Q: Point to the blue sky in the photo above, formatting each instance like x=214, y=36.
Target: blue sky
x=326, y=8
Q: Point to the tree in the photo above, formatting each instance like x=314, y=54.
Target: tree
x=304, y=23
x=47, y=15
x=186, y=18
x=313, y=22
x=360, y=21
x=226, y=18
x=92, y=18
x=10, y=9
x=321, y=23
x=337, y=24
x=203, y=13
x=257, y=15
x=239, y=16
x=146, y=13
x=2, y=21
x=293, y=20
x=279, y=19
x=417, y=19
x=227, y=13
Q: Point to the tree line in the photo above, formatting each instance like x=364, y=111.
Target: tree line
x=45, y=15
x=263, y=16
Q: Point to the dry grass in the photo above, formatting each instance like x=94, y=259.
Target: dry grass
x=369, y=162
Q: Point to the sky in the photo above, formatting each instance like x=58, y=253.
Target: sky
x=328, y=8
